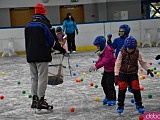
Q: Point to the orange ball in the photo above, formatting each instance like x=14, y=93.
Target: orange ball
x=78, y=80
x=141, y=117
x=141, y=88
x=150, y=63
x=143, y=76
x=72, y=109
x=91, y=84
x=2, y=97
x=141, y=69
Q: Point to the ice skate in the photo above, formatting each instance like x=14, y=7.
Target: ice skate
x=105, y=101
x=34, y=101
x=120, y=109
x=111, y=102
x=42, y=104
x=140, y=109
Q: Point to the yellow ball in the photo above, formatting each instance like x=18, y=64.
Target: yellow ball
x=157, y=74
x=3, y=73
x=96, y=98
x=141, y=77
x=84, y=74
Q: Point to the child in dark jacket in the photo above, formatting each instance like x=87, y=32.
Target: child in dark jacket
x=106, y=60
x=126, y=72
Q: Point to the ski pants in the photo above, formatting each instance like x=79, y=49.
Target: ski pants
x=107, y=84
x=39, y=78
x=71, y=42
x=133, y=81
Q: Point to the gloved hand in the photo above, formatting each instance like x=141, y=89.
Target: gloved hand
x=157, y=57
x=58, y=47
x=116, y=79
x=150, y=72
x=77, y=31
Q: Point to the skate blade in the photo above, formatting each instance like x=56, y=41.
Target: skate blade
x=44, y=111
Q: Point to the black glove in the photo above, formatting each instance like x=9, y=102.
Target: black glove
x=157, y=57
x=150, y=72
x=116, y=79
x=77, y=31
x=58, y=47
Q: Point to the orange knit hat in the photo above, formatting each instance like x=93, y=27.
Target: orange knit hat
x=40, y=9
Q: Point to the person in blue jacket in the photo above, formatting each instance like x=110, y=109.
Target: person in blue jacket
x=40, y=37
x=118, y=42
x=69, y=27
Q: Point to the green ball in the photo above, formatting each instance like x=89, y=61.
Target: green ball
x=96, y=86
x=150, y=96
x=154, y=68
x=18, y=82
x=155, y=72
x=69, y=66
x=29, y=96
x=102, y=73
x=82, y=79
x=23, y=91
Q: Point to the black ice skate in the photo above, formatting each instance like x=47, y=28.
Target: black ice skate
x=42, y=104
x=34, y=101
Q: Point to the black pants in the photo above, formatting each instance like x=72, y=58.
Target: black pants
x=108, y=85
x=124, y=81
x=71, y=42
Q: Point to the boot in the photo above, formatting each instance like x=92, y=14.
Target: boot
x=140, y=109
x=34, y=101
x=42, y=104
x=105, y=101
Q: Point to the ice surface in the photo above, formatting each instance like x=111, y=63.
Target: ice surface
x=80, y=95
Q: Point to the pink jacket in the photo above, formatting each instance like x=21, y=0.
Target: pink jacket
x=106, y=59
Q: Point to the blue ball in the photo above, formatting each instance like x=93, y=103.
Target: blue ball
x=159, y=63
x=74, y=73
x=132, y=100
x=76, y=65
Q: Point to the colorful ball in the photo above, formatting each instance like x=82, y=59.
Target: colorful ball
x=96, y=86
x=29, y=96
x=96, y=98
x=141, y=117
x=2, y=97
x=91, y=84
x=23, y=91
x=132, y=100
x=72, y=109
x=18, y=82
x=149, y=95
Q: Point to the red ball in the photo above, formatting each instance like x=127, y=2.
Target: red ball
x=72, y=109
x=141, y=117
x=91, y=84
x=2, y=97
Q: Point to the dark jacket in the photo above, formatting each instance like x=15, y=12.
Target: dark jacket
x=39, y=38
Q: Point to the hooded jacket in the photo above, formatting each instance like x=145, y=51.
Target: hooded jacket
x=106, y=59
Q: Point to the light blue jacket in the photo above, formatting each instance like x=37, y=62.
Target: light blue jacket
x=69, y=26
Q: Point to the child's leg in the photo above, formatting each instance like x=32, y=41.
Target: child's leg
x=136, y=92
x=110, y=85
x=104, y=85
x=121, y=93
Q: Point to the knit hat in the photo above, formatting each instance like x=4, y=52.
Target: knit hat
x=40, y=9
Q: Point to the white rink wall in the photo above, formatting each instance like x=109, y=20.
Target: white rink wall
x=87, y=33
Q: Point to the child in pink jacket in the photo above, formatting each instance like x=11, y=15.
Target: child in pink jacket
x=62, y=38
x=107, y=61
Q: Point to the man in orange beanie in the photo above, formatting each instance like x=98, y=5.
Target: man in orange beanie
x=39, y=39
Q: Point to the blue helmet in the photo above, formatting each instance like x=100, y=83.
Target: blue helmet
x=130, y=42
x=109, y=35
x=101, y=41
x=126, y=28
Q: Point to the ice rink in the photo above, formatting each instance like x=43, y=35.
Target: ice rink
x=80, y=95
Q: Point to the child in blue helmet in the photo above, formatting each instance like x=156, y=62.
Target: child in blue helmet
x=126, y=72
x=106, y=60
x=124, y=31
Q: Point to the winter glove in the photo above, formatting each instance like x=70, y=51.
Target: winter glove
x=92, y=68
x=77, y=31
x=150, y=72
x=116, y=80
x=157, y=57
x=58, y=47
